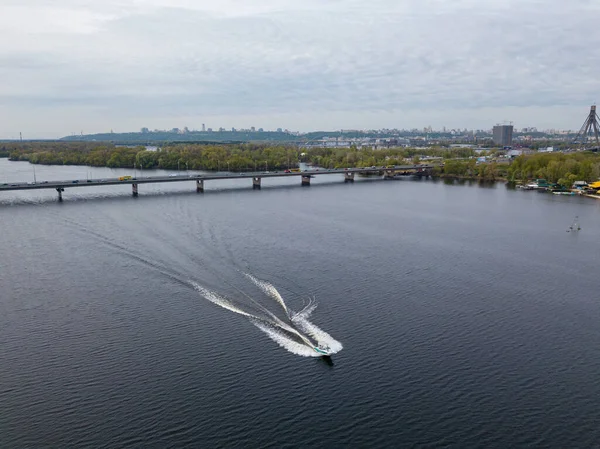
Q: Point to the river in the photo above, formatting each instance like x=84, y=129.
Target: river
x=462, y=315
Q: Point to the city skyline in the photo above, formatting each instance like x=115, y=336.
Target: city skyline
x=301, y=65
x=255, y=129
x=258, y=129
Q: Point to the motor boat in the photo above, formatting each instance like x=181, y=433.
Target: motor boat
x=322, y=351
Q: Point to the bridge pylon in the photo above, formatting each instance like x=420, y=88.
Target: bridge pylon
x=590, y=131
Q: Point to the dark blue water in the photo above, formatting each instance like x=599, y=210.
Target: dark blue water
x=468, y=316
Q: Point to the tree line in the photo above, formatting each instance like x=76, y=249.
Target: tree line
x=559, y=168
x=231, y=157
x=242, y=157
x=354, y=157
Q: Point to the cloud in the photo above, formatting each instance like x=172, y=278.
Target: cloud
x=320, y=63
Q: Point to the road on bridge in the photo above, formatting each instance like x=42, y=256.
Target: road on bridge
x=390, y=171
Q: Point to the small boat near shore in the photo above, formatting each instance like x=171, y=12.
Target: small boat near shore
x=527, y=186
x=538, y=184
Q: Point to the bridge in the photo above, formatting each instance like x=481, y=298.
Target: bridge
x=305, y=176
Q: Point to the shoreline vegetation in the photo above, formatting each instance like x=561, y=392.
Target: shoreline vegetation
x=458, y=163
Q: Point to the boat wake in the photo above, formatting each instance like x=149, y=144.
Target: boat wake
x=294, y=332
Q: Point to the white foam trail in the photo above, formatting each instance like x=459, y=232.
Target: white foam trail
x=306, y=312
x=292, y=330
x=274, y=328
x=300, y=319
x=226, y=304
x=219, y=300
x=318, y=334
x=269, y=290
x=284, y=341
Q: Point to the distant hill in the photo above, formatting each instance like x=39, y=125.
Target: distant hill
x=194, y=136
x=267, y=137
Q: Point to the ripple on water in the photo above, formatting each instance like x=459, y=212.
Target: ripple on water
x=459, y=328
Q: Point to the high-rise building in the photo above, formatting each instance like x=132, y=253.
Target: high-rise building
x=203, y=127
x=503, y=135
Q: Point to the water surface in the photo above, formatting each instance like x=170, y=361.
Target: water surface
x=468, y=316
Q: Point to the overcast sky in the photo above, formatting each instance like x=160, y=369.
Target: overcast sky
x=71, y=66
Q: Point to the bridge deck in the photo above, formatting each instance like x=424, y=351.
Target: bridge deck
x=204, y=177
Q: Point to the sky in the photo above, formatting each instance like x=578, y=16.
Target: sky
x=79, y=66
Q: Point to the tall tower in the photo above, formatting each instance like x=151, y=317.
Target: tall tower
x=203, y=127
x=584, y=136
x=502, y=134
